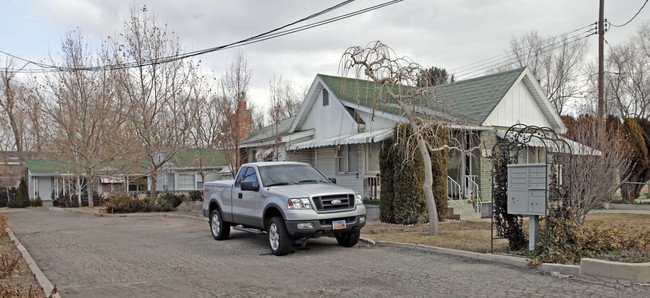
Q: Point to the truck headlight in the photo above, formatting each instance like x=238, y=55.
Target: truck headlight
x=299, y=203
x=358, y=199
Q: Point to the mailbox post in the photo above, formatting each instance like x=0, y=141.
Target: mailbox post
x=527, y=185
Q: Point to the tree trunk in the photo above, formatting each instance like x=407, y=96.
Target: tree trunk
x=428, y=173
x=154, y=183
x=79, y=190
x=89, y=191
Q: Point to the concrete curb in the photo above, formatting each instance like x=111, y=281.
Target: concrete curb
x=638, y=272
x=504, y=259
x=38, y=274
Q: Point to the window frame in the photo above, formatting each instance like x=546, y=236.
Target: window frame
x=343, y=154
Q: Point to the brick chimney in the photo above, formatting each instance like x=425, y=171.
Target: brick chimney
x=243, y=118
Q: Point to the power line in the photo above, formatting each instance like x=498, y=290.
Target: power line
x=274, y=33
x=499, y=57
x=506, y=58
x=637, y=13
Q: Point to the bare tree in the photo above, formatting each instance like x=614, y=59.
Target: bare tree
x=87, y=118
x=556, y=62
x=11, y=103
x=236, y=122
x=628, y=79
x=398, y=79
x=158, y=95
x=594, y=175
x=285, y=101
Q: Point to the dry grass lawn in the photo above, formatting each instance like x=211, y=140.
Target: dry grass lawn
x=475, y=236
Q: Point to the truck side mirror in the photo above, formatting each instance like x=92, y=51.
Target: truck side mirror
x=250, y=185
x=332, y=179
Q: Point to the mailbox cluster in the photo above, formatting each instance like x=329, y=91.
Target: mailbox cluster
x=527, y=184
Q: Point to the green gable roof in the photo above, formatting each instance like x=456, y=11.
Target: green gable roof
x=270, y=132
x=47, y=167
x=195, y=157
x=471, y=100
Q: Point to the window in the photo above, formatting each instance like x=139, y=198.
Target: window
x=347, y=159
x=199, y=182
x=250, y=176
x=240, y=176
x=186, y=181
x=169, y=185
x=326, y=98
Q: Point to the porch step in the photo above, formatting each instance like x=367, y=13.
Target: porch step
x=463, y=213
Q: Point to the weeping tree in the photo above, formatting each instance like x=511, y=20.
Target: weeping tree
x=403, y=173
x=399, y=80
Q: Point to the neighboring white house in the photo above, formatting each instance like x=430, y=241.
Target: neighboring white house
x=189, y=168
x=342, y=121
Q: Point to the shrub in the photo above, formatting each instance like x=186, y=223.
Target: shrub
x=38, y=202
x=126, y=204
x=507, y=225
x=22, y=196
x=563, y=241
x=402, y=172
x=65, y=201
x=386, y=193
x=195, y=195
x=169, y=202
x=7, y=194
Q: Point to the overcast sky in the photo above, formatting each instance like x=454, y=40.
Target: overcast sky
x=449, y=34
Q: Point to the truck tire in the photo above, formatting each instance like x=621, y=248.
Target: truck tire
x=348, y=239
x=220, y=229
x=279, y=238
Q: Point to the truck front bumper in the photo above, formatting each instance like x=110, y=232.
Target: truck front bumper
x=314, y=228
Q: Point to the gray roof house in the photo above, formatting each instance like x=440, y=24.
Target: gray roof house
x=342, y=121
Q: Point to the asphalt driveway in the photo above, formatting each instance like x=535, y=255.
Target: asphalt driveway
x=90, y=256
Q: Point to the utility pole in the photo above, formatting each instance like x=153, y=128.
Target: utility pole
x=601, y=75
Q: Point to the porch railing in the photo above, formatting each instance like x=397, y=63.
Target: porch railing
x=472, y=192
x=459, y=195
x=371, y=187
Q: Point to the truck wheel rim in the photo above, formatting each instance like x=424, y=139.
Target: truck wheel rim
x=274, y=236
x=216, y=225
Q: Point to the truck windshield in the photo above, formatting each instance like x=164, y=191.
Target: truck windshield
x=290, y=174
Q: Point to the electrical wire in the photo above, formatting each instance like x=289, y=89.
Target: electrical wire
x=637, y=13
x=499, y=57
x=274, y=33
x=479, y=69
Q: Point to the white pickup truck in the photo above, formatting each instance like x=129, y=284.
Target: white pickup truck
x=289, y=200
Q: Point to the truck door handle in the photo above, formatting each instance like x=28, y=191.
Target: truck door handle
x=239, y=195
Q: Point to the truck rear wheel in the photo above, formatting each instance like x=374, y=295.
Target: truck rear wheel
x=220, y=230
x=279, y=238
x=348, y=239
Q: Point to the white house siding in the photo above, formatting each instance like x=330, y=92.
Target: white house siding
x=339, y=121
x=517, y=106
x=325, y=161
x=305, y=155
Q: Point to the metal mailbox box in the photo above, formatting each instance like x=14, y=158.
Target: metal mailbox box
x=527, y=184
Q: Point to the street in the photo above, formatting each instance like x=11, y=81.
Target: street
x=91, y=256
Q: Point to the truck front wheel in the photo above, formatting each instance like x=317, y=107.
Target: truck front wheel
x=279, y=237
x=220, y=230
x=348, y=239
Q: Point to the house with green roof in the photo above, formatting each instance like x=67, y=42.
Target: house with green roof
x=342, y=121
x=190, y=167
x=47, y=177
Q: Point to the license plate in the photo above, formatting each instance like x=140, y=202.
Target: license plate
x=338, y=224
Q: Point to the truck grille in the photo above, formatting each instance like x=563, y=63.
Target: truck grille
x=334, y=203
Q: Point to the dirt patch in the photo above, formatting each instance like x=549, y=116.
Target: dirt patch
x=16, y=279
x=191, y=208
